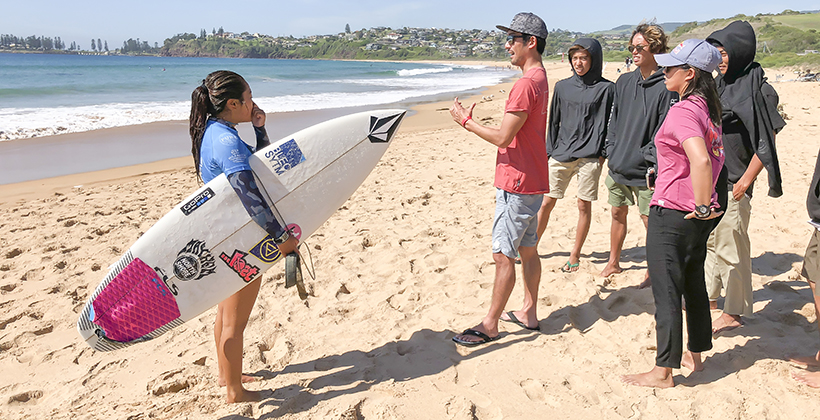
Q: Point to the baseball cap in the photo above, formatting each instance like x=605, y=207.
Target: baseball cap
x=694, y=52
x=527, y=23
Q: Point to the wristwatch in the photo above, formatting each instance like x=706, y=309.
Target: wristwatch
x=282, y=238
x=702, y=211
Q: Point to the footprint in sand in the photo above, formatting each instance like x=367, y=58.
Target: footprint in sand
x=25, y=397
x=534, y=390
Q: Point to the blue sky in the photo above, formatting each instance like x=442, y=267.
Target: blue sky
x=155, y=20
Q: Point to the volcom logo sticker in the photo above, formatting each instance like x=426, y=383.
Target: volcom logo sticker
x=382, y=129
x=194, y=261
x=285, y=157
x=240, y=265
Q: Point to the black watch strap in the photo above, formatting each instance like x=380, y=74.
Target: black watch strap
x=282, y=238
x=703, y=211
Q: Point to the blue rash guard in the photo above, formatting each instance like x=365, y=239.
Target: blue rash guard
x=222, y=151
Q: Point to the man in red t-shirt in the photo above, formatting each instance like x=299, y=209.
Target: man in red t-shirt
x=521, y=178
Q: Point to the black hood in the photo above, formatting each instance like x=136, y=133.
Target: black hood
x=596, y=55
x=738, y=39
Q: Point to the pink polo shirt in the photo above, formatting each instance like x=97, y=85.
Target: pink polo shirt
x=521, y=167
x=686, y=119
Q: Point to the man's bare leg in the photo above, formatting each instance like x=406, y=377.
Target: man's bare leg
x=658, y=377
x=647, y=282
x=502, y=288
x=813, y=361
x=544, y=216
x=692, y=361
x=617, y=235
x=531, y=269
x=581, y=232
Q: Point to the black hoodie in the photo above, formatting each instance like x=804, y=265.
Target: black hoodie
x=813, y=200
x=750, y=116
x=639, y=110
x=579, y=111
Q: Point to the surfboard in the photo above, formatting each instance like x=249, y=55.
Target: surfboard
x=208, y=248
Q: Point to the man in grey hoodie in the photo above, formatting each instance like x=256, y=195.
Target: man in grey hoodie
x=576, y=131
x=641, y=104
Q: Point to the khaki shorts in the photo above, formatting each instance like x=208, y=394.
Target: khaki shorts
x=588, y=171
x=811, y=262
x=625, y=195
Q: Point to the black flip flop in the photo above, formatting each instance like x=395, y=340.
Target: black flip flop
x=469, y=331
x=515, y=321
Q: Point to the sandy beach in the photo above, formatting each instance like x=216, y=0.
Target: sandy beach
x=403, y=266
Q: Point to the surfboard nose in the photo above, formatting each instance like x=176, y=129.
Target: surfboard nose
x=382, y=128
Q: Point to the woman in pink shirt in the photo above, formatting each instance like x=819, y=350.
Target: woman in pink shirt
x=690, y=155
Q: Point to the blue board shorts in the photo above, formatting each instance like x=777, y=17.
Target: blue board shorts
x=516, y=221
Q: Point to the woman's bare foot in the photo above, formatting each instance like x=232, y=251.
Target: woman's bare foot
x=692, y=361
x=813, y=361
x=611, y=269
x=811, y=379
x=647, y=282
x=243, y=395
x=726, y=322
x=713, y=305
x=245, y=379
x=658, y=377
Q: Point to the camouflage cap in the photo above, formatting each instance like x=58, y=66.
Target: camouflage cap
x=527, y=23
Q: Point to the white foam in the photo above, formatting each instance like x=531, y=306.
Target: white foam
x=416, y=72
x=21, y=123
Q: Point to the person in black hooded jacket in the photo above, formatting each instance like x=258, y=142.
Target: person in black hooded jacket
x=576, y=131
x=641, y=104
x=750, y=123
x=811, y=272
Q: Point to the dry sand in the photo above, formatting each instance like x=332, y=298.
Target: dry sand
x=400, y=267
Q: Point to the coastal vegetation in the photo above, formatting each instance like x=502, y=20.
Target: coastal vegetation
x=785, y=39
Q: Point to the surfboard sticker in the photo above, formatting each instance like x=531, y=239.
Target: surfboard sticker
x=285, y=157
x=197, y=201
x=266, y=250
x=194, y=261
x=382, y=129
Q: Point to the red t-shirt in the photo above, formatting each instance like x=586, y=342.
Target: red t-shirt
x=521, y=167
x=686, y=119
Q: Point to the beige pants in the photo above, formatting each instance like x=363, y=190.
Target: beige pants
x=728, y=258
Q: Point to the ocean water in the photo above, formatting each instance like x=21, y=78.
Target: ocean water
x=45, y=94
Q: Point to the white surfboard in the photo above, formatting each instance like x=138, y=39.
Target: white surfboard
x=207, y=248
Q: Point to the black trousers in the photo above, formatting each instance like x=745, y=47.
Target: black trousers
x=675, y=253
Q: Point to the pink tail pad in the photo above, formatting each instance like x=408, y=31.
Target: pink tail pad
x=135, y=303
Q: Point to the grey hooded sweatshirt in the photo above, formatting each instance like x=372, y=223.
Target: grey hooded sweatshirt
x=579, y=111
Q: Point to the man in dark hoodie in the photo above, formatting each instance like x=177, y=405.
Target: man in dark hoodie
x=576, y=131
x=641, y=104
x=750, y=123
x=811, y=271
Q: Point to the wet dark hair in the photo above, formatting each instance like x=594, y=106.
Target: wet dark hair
x=209, y=99
x=703, y=85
